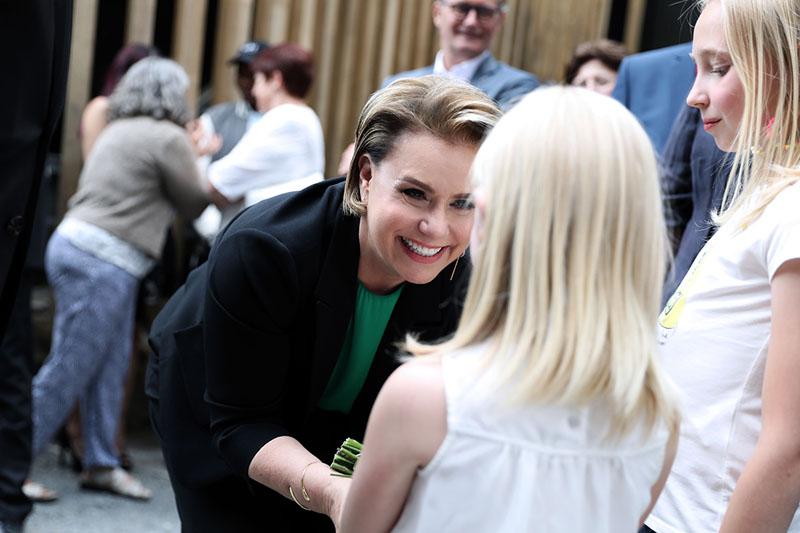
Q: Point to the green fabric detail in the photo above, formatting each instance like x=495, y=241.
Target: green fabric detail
x=361, y=341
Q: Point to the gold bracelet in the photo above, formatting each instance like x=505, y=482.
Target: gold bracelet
x=303, y=491
x=291, y=493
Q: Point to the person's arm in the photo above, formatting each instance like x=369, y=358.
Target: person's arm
x=93, y=120
x=658, y=486
x=676, y=174
x=252, y=302
x=283, y=462
x=181, y=178
x=407, y=425
x=767, y=493
x=266, y=155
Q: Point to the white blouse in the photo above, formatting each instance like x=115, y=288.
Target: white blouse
x=531, y=468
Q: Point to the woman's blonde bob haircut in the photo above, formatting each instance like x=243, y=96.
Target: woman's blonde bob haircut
x=762, y=38
x=449, y=109
x=566, y=278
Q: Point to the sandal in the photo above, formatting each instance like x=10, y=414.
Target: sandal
x=38, y=493
x=116, y=481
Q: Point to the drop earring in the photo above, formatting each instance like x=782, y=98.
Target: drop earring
x=455, y=265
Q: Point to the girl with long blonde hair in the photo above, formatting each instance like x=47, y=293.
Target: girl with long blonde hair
x=546, y=410
x=730, y=334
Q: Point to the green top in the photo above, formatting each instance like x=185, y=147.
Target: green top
x=361, y=341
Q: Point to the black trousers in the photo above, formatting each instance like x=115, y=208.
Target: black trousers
x=16, y=369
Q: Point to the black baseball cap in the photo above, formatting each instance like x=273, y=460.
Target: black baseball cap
x=248, y=51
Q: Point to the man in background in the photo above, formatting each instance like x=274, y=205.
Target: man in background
x=693, y=177
x=466, y=30
x=225, y=124
x=653, y=86
x=230, y=120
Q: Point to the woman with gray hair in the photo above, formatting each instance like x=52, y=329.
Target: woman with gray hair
x=140, y=172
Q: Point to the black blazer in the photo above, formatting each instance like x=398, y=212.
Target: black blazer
x=270, y=311
x=32, y=96
x=694, y=173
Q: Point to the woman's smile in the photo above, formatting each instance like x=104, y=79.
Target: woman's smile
x=421, y=253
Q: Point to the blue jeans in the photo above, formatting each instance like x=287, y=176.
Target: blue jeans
x=90, y=352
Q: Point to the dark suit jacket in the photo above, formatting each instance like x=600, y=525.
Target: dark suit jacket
x=653, y=86
x=35, y=35
x=502, y=83
x=270, y=311
x=693, y=176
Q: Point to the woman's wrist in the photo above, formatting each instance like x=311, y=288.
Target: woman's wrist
x=312, y=488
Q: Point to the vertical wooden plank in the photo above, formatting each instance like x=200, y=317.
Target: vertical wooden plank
x=405, y=43
x=343, y=110
x=189, y=41
x=391, y=31
x=140, y=23
x=602, y=22
x=233, y=29
x=272, y=20
x=368, y=62
x=504, y=40
x=84, y=24
x=327, y=58
x=422, y=30
x=307, y=23
x=634, y=20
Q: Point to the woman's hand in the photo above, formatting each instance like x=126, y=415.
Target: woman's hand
x=203, y=142
x=284, y=462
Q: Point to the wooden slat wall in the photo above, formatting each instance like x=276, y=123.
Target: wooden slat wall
x=356, y=43
x=189, y=38
x=141, y=21
x=84, y=22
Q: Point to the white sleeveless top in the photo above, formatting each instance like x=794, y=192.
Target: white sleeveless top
x=532, y=468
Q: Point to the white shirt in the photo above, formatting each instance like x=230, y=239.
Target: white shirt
x=463, y=71
x=283, y=151
x=284, y=145
x=715, y=332
x=544, y=468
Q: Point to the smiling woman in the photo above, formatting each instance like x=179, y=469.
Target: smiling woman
x=295, y=318
x=421, y=214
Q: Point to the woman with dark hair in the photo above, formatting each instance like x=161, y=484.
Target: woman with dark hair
x=594, y=65
x=274, y=350
x=285, y=147
x=94, y=118
x=140, y=173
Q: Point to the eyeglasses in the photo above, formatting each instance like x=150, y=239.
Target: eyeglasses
x=463, y=9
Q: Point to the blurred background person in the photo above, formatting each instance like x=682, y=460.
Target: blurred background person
x=219, y=129
x=95, y=115
x=466, y=31
x=653, y=85
x=139, y=173
x=285, y=147
x=93, y=119
x=231, y=120
x=594, y=65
